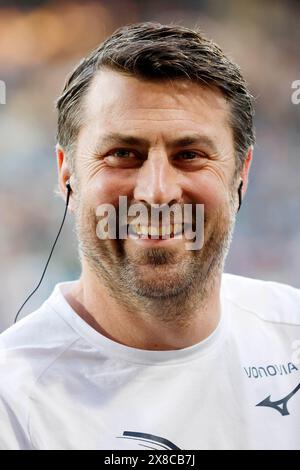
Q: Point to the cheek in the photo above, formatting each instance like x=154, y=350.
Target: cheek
x=207, y=189
x=106, y=187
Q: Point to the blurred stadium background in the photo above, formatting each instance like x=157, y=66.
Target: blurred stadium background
x=41, y=41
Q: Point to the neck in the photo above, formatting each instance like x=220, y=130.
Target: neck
x=134, y=324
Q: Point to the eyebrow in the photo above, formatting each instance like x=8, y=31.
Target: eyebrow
x=116, y=138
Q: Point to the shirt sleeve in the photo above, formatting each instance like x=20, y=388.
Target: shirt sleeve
x=13, y=436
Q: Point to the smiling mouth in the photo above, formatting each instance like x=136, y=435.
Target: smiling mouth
x=156, y=232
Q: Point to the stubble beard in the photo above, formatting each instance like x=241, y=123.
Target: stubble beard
x=163, y=283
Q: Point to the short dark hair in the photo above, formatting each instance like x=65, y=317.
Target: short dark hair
x=156, y=52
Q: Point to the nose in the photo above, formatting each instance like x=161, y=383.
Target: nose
x=158, y=181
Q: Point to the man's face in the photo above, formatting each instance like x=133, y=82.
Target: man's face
x=155, y=142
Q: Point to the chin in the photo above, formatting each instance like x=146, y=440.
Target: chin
x=159, y=281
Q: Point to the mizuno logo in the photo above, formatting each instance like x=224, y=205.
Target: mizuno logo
x=279, y=405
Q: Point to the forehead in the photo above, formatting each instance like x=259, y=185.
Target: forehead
x=117, y=100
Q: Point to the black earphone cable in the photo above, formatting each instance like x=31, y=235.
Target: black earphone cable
x=43, y=274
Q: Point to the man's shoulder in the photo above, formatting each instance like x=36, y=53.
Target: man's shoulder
x=27, y=350
x=269, y=300
x=32, y=344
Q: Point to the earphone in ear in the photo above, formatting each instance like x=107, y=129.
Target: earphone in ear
x=68, y=186
x=240, y=195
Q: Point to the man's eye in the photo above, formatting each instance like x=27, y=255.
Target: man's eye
x=123, y=158
x=189, y=155
x=122, y=153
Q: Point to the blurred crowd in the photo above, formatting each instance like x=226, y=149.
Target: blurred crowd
x=41, y=41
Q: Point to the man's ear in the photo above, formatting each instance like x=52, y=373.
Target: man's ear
x=64, y=174
x=245, y=170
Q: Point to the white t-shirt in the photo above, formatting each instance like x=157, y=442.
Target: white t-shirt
x=65, y=386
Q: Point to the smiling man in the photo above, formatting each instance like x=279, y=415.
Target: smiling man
x=154, y=346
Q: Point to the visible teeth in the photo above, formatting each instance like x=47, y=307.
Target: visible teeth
x=177, y=228
x=153, y=231
x=136, y=229
x=163, y=231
